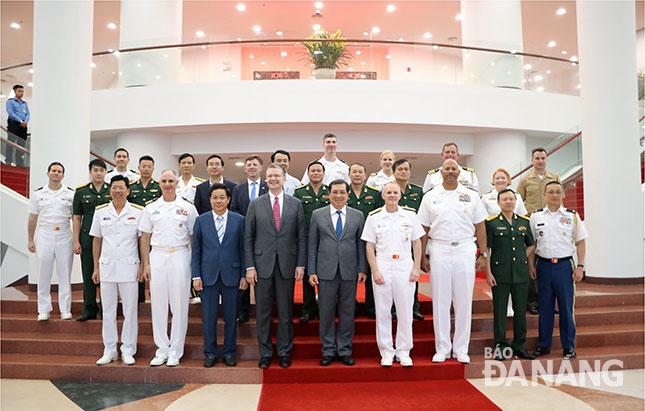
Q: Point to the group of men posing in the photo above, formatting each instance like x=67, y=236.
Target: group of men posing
x=329, y=230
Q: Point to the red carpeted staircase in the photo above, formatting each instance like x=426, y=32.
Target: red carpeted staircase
x=16, y=178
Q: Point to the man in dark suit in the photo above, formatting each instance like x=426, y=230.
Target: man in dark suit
x=242, y=196
x=336, y=257
x=215, y=167
x=275, y=254
x=217, y=257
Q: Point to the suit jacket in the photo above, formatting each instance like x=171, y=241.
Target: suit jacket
x=210, y=259
x=327, y=253
x=240, y=201
x=262, y=241
x=202, y=200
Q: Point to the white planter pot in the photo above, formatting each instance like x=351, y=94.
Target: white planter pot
x=324, y=73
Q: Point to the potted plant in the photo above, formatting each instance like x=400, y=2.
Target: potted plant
x=326, y=56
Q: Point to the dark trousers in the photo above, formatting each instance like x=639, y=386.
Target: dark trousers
x=519, y=292
x=533, y=294
x=210, y=296
x=336, y=295
x=90, y=308
x=555, y=282
x=308, y=297
x=142, y=291
x=280, y=290
x=244, y=302
x=16, y=134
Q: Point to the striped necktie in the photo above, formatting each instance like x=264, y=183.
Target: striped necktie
x=220, y=227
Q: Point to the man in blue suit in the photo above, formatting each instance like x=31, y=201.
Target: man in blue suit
x=217, y=267
x=215, y=167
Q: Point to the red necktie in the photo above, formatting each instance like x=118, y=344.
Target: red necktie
x=276, y=213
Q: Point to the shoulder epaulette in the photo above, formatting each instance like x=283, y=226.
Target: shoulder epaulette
x=137, y=206
x=134, y=182
x=101, y=206
x=342, y=161
x=39, y=188
x=373, y=174
x=539, y=211
x=373, y=188
x=491, y=218
x=416, y=185
x=524, y=217
x=82, y=185
x=150, y=201
x=70, y=188
x=134, y=171
x=434, y=170
x=468, y=169
x=489, y=191
x=375, y=211
x=185, y=199
x=408, y=208
x=570, y=210
x=302, y=186
x=200, y=179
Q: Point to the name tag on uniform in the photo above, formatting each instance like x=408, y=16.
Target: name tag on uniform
x=501, y=228
x=107, y=218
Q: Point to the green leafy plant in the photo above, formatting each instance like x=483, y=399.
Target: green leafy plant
x=327, y=54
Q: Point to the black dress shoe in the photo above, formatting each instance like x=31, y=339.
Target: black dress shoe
x=285, y=361
x=326, y=360
x=229, y=360
x=540, y=351
x=569, y=354
x=556, y=311
x=347, y=360
x=417, y=316
x=210, y=361
x=523, y=354
x=264, y=362
x=86, y=317
x=242, y=318
x=499, y=356
x=534, y=310
x=306, y=318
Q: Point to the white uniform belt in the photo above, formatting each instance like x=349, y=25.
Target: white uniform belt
x=51, y=227
x=170, y=249
x=453, y=243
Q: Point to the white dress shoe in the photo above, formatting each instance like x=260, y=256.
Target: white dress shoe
x=438, y=357
x=157, y=361
x=405, y=360
x=462, y=358
x=43, y=316
x=106, y=359
x=66, y=316
x=172, y=362
x=127, y=359
x=386, y=361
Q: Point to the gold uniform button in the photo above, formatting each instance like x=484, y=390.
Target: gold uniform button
x=513, y=238
x=513, y=258
x=513, y=248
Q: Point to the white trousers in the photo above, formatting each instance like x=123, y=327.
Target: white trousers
x=129, y=292
x=169, y=283
x=54, y=248
x=452, y=275
x=397, y=287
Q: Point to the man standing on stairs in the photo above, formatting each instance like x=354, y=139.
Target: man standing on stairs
x=17, y=120
x=86, y=198
x=167, y=226
x=558, y=233
x=467, y=175
x=50, y=207
x=121, y=159
x=116, y=268
x=531, y=188
x=335, y=168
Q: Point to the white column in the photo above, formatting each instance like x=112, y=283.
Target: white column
x=493, y=24
x=495, y=150
x=62, y=93
x=157, y=145
x=144, y=24
x=610, y=146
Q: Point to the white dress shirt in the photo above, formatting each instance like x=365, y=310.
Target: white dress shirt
x=170, y=223
x=334, y=170
x=557, y=233
x=130, y=174
x=392, y=233
x=378, y=180
x=334, y=216
x=257, y=183
x=280, y=197
x=53, y=208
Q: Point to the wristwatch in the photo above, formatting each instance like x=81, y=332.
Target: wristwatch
x=581, y=265
x=483, y=254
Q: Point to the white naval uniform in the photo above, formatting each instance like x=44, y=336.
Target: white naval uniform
x=130, y=174
x=392, y=234
x=290, y=184
x=489, y=200
x=557, y=233
x=451, y=216
x=171, y=225
x=118, y=268
x=334, y=170
x=467, y=178
x=188, y=190
x=53, y=241
x=378, y=180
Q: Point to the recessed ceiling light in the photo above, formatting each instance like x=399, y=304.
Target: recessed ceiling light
x=30, y=84
x=551, y=43
x=471, y=75
x=528, y=67
x=15, y=25
x=459, y=16
x=508, y=72
x=540, y=89
x=445, y=67
x=390, y=8
x=573, y=58
x=366, y=33
x=319, y=5
x=263, y=62
x=578, y=86
x=31, y=71
x=435, y=47
x=427, y=35
x=564, y=52
x=288, y=69
x=387, y=56
x=111, y=26
x=492, y=82
x=257, y=29
x=203, y=47
x=157, y=76
x=283, y=53
x=376, y=30
x=400, y=38
x=240, y=7
x=316, y=27
x=561, y=11
x=278, y=33
x=251, y=56
x=363, y=63
x=199, y=33
x=537, y=78
x=116, y=53
x=358, y=52
x=548, y=72
x=239, y=164
x=492, y=63
x=138, y=64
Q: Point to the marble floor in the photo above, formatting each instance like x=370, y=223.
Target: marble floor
x=620, y=390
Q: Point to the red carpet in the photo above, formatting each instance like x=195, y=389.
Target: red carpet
x=396, y=396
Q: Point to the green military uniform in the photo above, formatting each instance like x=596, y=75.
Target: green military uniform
x=310, y=202
x=411, y=197
x=369, y=200
x=509, y=266
x=86, y=198
x=141, y=195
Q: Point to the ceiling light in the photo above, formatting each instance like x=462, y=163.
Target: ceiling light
x=92, y=64
x=528, y=67
x=387, y=56
x=111, y=26
x=138, y=64
x=513, y=51
x=564, y=52
x=508, y=72
x=538, y=78
x=157, y=76
x=239, y=164
x=578, y=86
x=366, y=33
x=551, y=43
x=400, y=38
x=435, y=47
x=203, y=47
x=548, y=72
x=459, y=16
x=199, y=33
x=445, y=67
x=251, y=56
x=257, y=29
x=561, y=11
x=390, y=8
x=492, y=63
x=263, y=62
x=288, y=69
x=358, y=52
x=316, y=27
x=110, y=50
x=471, y=75
x=283, y=53
x=540, y=89
x=278, y=33
x=376, y=30
x=319, y=5
x=240, y=7
x=492, y=82
x=31, y=71
x=427, y=35
x=573, y=58
x=363, y=63
x=15, y=25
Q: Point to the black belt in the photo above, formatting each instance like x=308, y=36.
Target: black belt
x=554, y=260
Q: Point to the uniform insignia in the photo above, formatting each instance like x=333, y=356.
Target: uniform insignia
x=185, y=199
x=565, y=220
x=373, y=174
x=156, y=212
x=70, y=188
x=373, y=188
x=134, y=171
x=199, y=179
x=138, y=206
x=468, y=169
x=149, y=201
x=433, y=171
x=369, y=197
x=327, y=197
x=523, y=216
x=82, y=185
x=408, y=208
x=101, y=206
x=415, y=185
x=182, y=211
x=375, y=211
x=570, y=210
x=39, y=188
x=522, y=228
x=464, y=198
x=298, y=188
x=501, y=228
x=132, y=218
x=491, y=218
x=539, y=211
x=154, y=190
x=414, y=195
